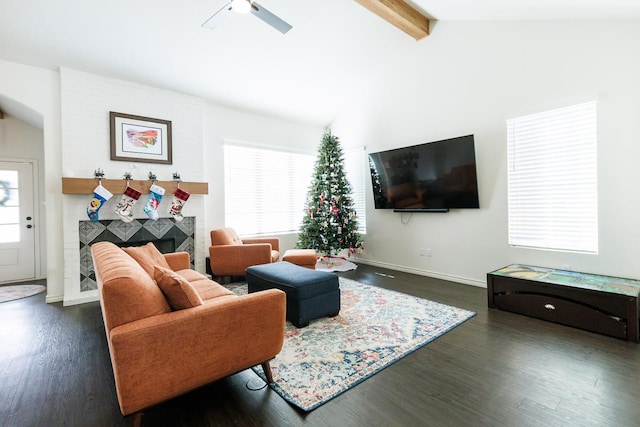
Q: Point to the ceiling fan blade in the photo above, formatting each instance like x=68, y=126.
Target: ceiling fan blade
x=217, y=17
x=270, y=18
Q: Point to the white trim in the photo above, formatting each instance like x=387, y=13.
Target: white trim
x=50, y=299
x=427, y=273
x=37, y=223
x=87, y=296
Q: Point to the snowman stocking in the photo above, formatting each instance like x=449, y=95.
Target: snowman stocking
x=180, y=197
x=126, y=203
x=155, y=197
x=100, y=197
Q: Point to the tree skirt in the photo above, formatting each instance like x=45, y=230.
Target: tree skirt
x=13, y=292
x=375, y=328
x=335, y=264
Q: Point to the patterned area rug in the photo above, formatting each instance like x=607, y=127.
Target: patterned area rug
x=375, y=328
x=12, y=292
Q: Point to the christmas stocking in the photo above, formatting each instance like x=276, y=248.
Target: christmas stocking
x=100, y=197
x=180, y=197
x=155, y=197
x=125, y=205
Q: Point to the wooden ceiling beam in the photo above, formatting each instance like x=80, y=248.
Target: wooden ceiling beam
x=400, y=14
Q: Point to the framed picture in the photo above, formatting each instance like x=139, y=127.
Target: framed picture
x=140, y=139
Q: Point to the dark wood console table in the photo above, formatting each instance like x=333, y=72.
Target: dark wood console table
x=602, y=304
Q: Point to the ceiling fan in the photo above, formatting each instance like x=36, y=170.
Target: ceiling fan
x=246, y=6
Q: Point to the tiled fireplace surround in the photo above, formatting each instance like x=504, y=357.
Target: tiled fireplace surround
x=165, y=233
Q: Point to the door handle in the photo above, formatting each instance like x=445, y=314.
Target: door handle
x=28, y=218
x=29, y=226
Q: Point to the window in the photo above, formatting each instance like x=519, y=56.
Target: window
x=355, y=161
x=9, y=207
x=552, y=178
x=265, y=189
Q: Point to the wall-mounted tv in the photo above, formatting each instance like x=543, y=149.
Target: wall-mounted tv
x=435, y=176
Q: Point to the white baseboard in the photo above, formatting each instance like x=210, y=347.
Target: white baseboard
x=427, y=273
x=90, y=297
x=53, y=298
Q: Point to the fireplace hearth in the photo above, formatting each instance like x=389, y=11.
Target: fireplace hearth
x=167, y=234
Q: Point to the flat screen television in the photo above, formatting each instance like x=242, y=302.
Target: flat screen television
x=435, y=176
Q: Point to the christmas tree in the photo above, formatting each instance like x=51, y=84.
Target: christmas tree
x=329, y=224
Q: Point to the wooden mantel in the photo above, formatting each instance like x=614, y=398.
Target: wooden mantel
x=400, y=14
x=117, y=186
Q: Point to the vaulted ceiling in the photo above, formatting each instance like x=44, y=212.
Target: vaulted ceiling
x=331, y=53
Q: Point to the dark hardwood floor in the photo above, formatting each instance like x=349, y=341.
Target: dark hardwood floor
x=497, y=369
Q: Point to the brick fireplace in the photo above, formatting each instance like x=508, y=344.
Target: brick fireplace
x=166, y=233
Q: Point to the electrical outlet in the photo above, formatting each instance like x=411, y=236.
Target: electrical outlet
x=422, y=252
x=429, y=252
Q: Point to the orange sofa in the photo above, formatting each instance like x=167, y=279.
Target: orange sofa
x=159, y=351
x=229, y=255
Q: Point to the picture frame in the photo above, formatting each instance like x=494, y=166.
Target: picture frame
x=140, y=139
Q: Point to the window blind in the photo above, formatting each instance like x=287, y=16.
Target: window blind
x=265, y=189
x=552, y=179
x=355, y=161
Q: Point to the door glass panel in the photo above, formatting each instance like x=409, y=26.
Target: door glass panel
x=9, y=178
x=9, y=215
x=9, y=198
x=9, y=233
x=9, y=207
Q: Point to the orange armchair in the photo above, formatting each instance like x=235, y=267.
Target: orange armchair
x=229, y=255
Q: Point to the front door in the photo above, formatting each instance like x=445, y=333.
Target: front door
x=17, y=235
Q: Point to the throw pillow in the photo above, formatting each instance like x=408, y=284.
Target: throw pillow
x=148, y=256
x=179, y=293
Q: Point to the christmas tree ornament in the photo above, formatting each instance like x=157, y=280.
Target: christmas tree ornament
x=180, y=197
x=155, y=197
x=100, y=196
x=124, y=208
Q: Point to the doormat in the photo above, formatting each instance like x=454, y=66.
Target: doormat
x=13, y=292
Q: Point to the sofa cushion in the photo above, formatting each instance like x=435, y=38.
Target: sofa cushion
x=148, y=256
x=128, y=291
x=190, y=275
x=208, y=289
x=179, y=292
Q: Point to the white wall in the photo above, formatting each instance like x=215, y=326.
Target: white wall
x=20, y=141
x=464, y=78
x=39, y=90
x=469, y=78
x=75, y=109
x=87, y=100
x=199, y=130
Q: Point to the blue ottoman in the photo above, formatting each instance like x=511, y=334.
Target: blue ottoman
x=311, y=294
